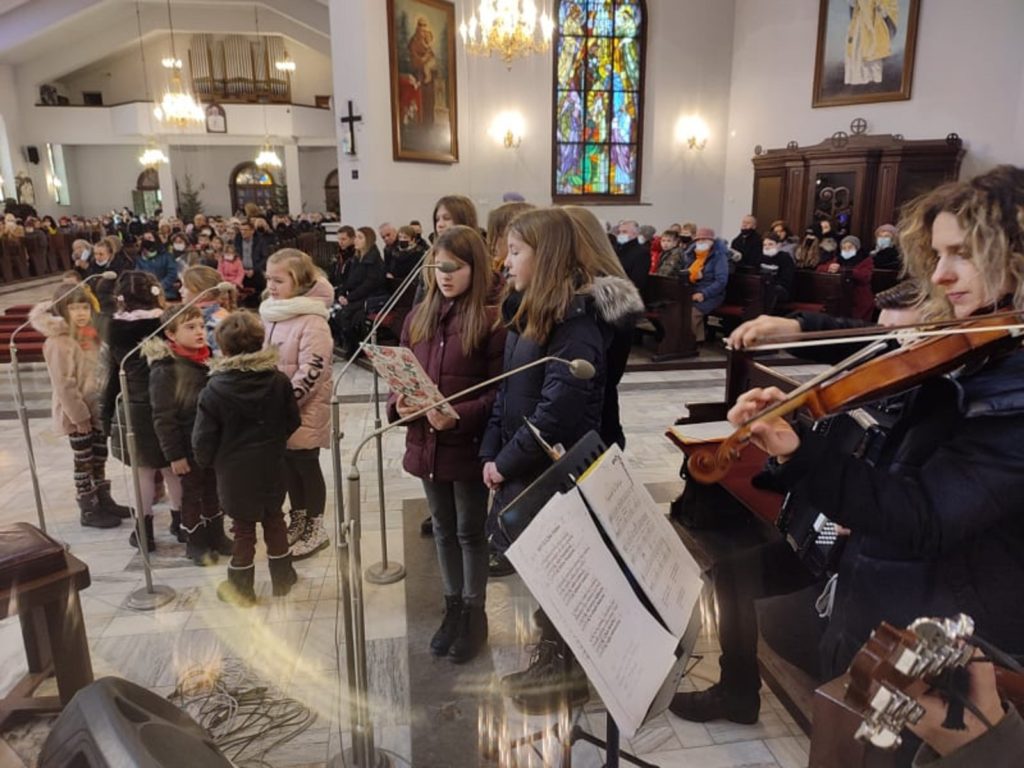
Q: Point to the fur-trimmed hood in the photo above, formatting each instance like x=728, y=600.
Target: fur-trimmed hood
x=155, y=349
x=250, y=362
x=617, y=300
x=47, y=323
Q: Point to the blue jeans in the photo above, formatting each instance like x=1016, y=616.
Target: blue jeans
x=459, y=511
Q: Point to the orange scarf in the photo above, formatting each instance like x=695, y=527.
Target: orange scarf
x=88, y=338
x=697, y=268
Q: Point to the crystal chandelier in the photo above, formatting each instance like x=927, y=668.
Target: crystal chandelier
x=267, y=158
x=286, y=64
x=177, y=106
x=152, y=157
x=509, y=28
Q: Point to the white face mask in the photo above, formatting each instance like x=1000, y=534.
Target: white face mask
x=641, y=239
x=703, y=245
x=85, y=254
x=229, y=256
x=848, y=253
x=622, y=239
x=179, y=246
x=884, y=242
x=770, y=251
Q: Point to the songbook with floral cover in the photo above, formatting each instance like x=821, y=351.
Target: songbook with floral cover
x=399, y=367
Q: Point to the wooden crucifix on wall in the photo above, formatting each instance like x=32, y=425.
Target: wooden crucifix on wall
x=351, y=119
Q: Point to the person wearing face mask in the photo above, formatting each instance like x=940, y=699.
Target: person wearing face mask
x=778, y=266
x=748, y=243
x=828, y=239
x=400, y=259
x=81, y=253
x=634, y=255
x=856, y=267
x=159, y=263
x=706, y=266
x=886, y=255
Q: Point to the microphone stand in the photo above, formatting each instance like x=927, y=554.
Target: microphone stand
x=152, y=596
x=19, y=399
x=363, y=753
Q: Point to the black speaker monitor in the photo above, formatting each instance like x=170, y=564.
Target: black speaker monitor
x=113, y=723
x=32, y=153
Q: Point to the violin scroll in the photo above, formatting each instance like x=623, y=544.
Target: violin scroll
x=710, y=464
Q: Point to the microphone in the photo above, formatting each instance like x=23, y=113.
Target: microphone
x=579, y=368
x=447, y=267
x=108, y=275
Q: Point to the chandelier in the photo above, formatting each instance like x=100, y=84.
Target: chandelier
x=287, y=64
x=178, y=106
x=267, y=158
x=508, y=28
x=152, y=157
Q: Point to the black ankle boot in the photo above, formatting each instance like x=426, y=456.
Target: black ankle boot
x=218, y=541
x=175, y=527
x=471, y=636
x=238, y=589
x=282, y=574
x=442, y=640
x=427, y=527
x=150, y=537
x=107, y=503
x=553, y=676
x=196, y=547
x=93, y=515
x=717, y=703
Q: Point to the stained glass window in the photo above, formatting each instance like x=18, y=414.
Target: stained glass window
x=598, y=99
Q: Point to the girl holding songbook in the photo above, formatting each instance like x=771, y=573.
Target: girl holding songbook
x=456, y=339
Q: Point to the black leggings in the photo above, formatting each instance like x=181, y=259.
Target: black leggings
x=306, y=487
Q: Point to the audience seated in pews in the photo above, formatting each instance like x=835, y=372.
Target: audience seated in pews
x=671, y=259
x=778, y=268
x=363, y=278
x=748, y=243
x=886, y=255
x=856, y=266
x=634, y=255
x=706, y=267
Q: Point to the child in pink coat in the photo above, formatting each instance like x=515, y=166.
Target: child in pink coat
x=295, y=310
x=230, y=266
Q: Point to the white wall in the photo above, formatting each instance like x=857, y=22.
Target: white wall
x=686, y=73
x=968, y=79
x=314, y=165
x=101, y=178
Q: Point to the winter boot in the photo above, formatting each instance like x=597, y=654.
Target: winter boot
x=471, y=636
x=93, y=515
x=296, y=525
x=150, y=537
x=175, y=527
x=197, y=546
x=282, y=574
x=238, y=589
x=717, y=703
x=554, y=675
x=312, y=541
x=107, y=503
x=442, y=640
x=218, y=542
x=427, y=527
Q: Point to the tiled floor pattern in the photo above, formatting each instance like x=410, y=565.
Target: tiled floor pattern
x=290, y=643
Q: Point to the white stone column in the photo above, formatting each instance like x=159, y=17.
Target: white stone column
x=168, y=197
x=294, y=177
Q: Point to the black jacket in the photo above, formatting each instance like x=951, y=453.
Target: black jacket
x=122, y=336
x=888, y=258
x=364, y=277
x=399, y=264
x=174, y=386
x=783, y=269
x=636, y=260
x=262, y=245
x=104, y=289
x=749, y=243
x=937, y=524
x=244, y=417
x=340, y=267
x=561, y=407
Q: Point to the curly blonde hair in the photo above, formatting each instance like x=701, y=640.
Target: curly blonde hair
x=990, y=210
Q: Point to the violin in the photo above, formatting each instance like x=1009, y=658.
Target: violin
x=872, y=373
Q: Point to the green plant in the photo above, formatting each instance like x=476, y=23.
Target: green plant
x=189, y=203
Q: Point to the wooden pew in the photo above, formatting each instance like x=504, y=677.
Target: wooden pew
x=744, y=299
x=669, y=308
x=819, y=292
x=14, y=252
x=883, y=279
x=60, y=246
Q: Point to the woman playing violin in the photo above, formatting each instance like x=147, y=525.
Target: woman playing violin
x=937, y=523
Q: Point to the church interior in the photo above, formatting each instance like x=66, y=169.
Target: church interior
x=278, y=178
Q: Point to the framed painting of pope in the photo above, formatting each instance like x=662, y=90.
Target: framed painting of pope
x=865, y=51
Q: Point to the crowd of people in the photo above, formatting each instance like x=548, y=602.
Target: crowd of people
x=930, y=524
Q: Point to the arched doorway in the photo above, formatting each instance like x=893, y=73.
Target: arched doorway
x=251, y=184
x=146, y=198
x=331, y=195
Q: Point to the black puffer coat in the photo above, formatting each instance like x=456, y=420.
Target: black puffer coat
x=938, y=524
x=364, y=277
x=561, y=407
x=174, y=386
x=245, y=415
x=122, y=336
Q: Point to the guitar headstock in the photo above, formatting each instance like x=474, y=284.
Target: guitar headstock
x=895, y=659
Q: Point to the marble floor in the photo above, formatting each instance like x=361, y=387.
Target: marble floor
x=425, y=712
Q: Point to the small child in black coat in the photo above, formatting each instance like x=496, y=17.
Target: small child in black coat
x=178, y=371
x=246, y=414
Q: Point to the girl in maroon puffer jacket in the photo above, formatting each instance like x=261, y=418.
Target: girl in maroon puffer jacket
x=452, y=333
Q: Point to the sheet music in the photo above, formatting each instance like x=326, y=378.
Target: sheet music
x=644, y=538
x=703, y=432
x=571, y=572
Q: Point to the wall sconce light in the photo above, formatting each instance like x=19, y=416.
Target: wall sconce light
x=692, y=131
x=507, y=129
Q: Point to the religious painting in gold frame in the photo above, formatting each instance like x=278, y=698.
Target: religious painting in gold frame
x=865, y=51
x=421, y=54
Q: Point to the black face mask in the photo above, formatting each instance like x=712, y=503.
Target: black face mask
x=685, y=239
x=404, y=245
